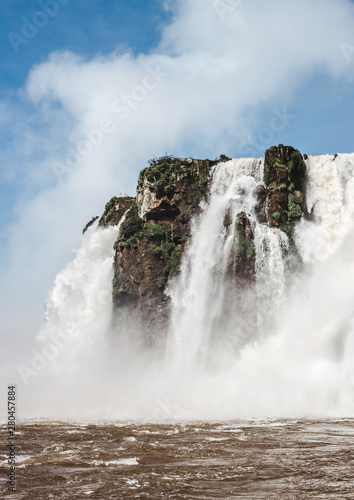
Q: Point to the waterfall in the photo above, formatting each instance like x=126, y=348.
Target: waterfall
x=283, y=348
x=198, y=294
x=331, y=197
x=78, y=311
x=302, y=359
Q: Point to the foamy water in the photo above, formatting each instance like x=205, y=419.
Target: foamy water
x=249, y=459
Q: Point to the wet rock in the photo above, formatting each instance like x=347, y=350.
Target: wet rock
x=228, y=218
x=285, y=179
x=114, y=210
x=260, y=194
x=245, y=258
x=154, y=235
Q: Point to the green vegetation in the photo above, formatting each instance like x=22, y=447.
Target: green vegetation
x=222, y=158
x=294, y=207
x=163, y=173
x=245, y=249
x=296, y=167
x=244, y=246
x=121, y=202
x=160, y=242
x=170, y=254
x=277, y=164
x=286, y=227
x=281, y=187
x=132, y=227
x=112, y=203
x=161, y=282
x=154, y=231
x=155, y=250
x=296, y=171
x=296, y=163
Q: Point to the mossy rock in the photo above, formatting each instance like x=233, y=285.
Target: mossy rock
x=163, y=173
x=244, y=247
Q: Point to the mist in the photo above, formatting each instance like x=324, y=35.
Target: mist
x=84, y=128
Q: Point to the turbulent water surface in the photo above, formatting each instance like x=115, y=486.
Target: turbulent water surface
x=251, y=459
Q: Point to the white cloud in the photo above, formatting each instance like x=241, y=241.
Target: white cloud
x=185, y=97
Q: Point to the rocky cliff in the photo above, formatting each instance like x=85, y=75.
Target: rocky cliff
x=154, y=234
x=156, y=227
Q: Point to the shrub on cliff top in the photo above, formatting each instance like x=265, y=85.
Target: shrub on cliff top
x=296, y=163
x=113, y=202
x=121, y=202
x=163, y=173
x=222, y=158
x=132, y=226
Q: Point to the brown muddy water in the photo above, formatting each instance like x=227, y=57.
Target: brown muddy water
x=253, y=459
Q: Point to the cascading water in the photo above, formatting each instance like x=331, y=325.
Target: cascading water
x=78, y=316
x=199, y=294
x=286, y=349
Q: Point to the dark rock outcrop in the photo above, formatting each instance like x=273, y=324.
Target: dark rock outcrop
x=285, y=180
x=114, y=210
x=245, y=253
x=154, y=234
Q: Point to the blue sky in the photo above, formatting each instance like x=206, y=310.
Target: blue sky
x=84, y=27
x=87, y=28
x=203, y=78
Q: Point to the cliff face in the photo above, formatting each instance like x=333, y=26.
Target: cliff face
x=156, y=227
x=114, y=210
x=154, y=234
